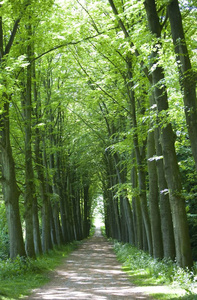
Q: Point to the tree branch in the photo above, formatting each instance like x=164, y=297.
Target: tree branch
x=12, y=36
x=126, y=34
x=88, y=125
x=70, y=43
x=93, y=22
x=1, y=38
x=121, y=24
x=98, y=85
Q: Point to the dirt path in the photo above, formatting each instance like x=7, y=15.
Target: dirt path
x=90, y=272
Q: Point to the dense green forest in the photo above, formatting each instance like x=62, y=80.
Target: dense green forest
x=98, y=99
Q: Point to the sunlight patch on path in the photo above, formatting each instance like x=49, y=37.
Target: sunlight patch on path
x=90, y=272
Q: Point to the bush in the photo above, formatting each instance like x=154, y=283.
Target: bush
x=13, y=268
x=164, y=271
x=4, y=239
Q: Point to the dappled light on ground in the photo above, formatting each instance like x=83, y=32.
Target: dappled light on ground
x=90, y=272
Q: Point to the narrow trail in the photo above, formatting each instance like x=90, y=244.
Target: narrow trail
x=90, y=272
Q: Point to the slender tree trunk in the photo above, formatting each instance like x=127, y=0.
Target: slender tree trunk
x=165, y=210
x=138, y=222
x=87, y=206
x=154, y=199
x=107, y=208
x=77, y=214
x=137, y=213
x=182, y=240
x=36, y=228
x=46, y=237
x=38, y=163
x=129, y=220
x=53, y=225
x=140, y=159
x=9, y=184
x=55, y=200
x=63, y=213
x=10, y=188
x=186, y=73
x=29, y=173
x=115, y=217
x=126, y=213
x=123, y=220
x=65, y=207
x=43, y=194
x=69, y=207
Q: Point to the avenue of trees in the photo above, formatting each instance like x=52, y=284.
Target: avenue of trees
x=98, y=98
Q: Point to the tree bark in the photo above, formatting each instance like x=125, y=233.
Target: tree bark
x=46, y=237
x=9, y=186
x=137, y=213
x=186, y=74
x=87, y=206
x=154, y=199
x=29, y=173
x=165, y=210
x=9, y=183
x=38, y=163
x=181, y=232
x=140, y=156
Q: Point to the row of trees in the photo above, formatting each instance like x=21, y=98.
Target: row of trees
x=99, y=96
x=44, y=189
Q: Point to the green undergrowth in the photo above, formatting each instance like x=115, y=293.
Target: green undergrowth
x=146, y=271
x=19, y=277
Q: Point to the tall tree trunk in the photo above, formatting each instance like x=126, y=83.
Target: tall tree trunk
x=186, y=73
x=154, y=199
x=10, y=188
x=107, y=208
x=112, y=181
x=87, y=206
x=9, y=184
x=46, y=236
x=63, y=213
x=165, y=210
x=36, y=229
x=69, y=206
x=29, y=173
x=38, y=162
x=124, y=229
x=53, y=224
x=181, y=232
x=55, y=200
x=125, y=207
x=129, y=220
x=139, y=158
x=137, y=213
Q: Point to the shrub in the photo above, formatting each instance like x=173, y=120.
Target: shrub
x=166, y=271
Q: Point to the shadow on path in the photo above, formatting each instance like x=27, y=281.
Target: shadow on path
x=90, y=272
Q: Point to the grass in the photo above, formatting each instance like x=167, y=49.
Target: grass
x=162, y=279
x=19, y=277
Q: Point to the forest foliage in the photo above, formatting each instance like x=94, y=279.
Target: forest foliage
x=98, y=98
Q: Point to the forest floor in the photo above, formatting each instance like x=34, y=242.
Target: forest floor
x=90, y=272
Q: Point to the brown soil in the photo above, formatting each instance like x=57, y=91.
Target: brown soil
x=90, y=272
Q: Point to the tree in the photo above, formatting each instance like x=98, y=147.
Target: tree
x=181, y=233
x=10, y=188
x=187, y=75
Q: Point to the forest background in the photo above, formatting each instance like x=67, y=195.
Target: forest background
x=98, y=98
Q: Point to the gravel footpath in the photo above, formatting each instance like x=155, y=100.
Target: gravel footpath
x=90, y=272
